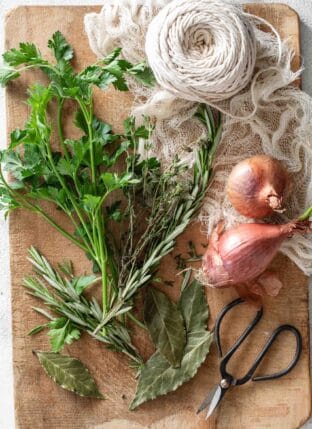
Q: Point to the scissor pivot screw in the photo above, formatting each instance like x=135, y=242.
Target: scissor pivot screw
x=224, y=383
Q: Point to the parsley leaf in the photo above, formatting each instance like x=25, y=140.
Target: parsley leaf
x=27, y=53
x=7, y=74
x=91, y=202
x=82, y=282
x=62, y=332
x=60, y=47
x=143, y=74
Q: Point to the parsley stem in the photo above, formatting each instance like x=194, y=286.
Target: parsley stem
x=60, y=229
x=60, y=104
x=136, y=321
x=88, y=248
x=88, y=118
x=98, y=231
x=35, y=208
x=68, y=193
x=103, y=258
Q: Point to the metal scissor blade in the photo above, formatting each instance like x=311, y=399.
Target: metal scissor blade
x=206, y=402
x=218, y=395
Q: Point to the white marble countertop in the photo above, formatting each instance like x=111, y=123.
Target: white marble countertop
x=303, y=7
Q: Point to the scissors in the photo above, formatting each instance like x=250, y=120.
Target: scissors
x=228, y=380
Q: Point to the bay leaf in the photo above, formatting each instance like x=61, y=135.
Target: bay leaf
x=165, y=324
x=193, y=306
x=157, y=377
x=69, y=373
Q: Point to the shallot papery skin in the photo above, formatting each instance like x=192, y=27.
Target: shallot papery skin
x=258, y=186
x=242, y=254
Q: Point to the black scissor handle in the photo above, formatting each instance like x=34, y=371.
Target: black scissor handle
x=278, y=374
x=244, y=335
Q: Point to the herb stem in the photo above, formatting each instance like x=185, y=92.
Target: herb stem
x=88, y=248
x=306, y=215
x=103, y=259
x=98, y=231
x=60, y=229
x=88, y=118
x=136, y=321
x=35, y=208
x=68, y=193
x=60, y=104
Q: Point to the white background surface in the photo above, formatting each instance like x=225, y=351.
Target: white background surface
x=303, y=7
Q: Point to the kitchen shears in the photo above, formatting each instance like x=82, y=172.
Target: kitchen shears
x=228, y=380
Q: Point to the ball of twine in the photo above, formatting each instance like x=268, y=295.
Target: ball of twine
x=201, y=50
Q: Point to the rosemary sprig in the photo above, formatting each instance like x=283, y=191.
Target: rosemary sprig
x=66, y=299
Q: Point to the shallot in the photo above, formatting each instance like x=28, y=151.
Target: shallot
x=242, y=254
x=258, y=186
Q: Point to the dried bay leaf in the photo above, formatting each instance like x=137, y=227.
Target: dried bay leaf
x=193, y=306
x=157, y=377
x=165, y=324
x=69, y=373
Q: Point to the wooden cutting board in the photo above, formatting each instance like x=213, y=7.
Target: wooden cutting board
x=39, y=403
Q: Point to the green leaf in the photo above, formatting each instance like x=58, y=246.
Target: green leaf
x=69, y=373
x=143, y=74
x=17, y=137
x=142, y=132
x=157, y=377
x=66, y=167
x=60, y=47
x=90, y=202
x=7, y=74
x=112, y=56
x=112, y=181
x=62, y=332
x=101, y=129
x=7, y=202
x=52, y=194
x=27, y=53
x=82, y=282
x=92, y=74
x=193, y=306
x=80, y=121
x=38, y=128
x=105, y=80
x=78, y=148
x=165, y=325
x=117, y=69
x=37, y=329
x=13, y=163
x=113, y=211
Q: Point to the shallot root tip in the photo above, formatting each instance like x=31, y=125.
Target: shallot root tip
x=276, y=203
x=303, y=226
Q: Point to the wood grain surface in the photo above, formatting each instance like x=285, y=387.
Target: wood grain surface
x=39, y=403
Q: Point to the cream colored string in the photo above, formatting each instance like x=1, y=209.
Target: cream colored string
x=205, y=51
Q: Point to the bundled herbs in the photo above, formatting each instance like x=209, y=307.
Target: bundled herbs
x=82, y=177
